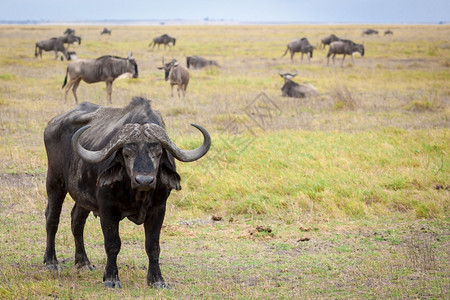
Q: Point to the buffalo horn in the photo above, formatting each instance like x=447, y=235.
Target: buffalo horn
x=153, y=131
x=128, y=133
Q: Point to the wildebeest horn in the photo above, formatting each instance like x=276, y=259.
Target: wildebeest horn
x=129, y=133
x=157, y=132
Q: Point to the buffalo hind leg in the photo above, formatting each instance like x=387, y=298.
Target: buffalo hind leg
x=56, y=194
x=152, y=225
x=79, y=216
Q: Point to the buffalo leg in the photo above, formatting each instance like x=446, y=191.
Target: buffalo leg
x=79, y=216
x=74, y=89
x=56, y=194
x=109, y=90
x=152, y=227
x=110, y=228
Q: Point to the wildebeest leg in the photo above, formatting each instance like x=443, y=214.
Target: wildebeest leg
x=302, y=58
x=342, y=62
x=74, y=89
x=110, y=227
x=56, y=193
x=334, y=55
x=152, y=226
x=79, y=216
x=109, y=90
x=292, y=56
x=171, y=90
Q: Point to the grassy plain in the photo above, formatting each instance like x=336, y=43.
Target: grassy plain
x=354, y=184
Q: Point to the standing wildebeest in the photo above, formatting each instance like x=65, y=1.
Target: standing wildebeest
x=70, y=39
x=293, y=89
x=198, y=62
x=106, y=31
x=345, y=47
x=369, y=32
x=328, y=40
x=69, y=31
x=177, y=75
x=128, y=173
x=53, y=44
x=106, y=68
x=388, y=32
x=163, y=39
x=301, y=45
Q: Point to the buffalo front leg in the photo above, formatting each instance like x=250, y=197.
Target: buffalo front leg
x=56, y=194
x=152, y=225
x=79, y=216
x=110, y=228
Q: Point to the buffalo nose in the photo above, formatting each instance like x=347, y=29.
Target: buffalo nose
x=144, y=180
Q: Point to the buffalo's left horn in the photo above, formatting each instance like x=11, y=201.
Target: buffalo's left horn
x=128, y=133
x=159, y=133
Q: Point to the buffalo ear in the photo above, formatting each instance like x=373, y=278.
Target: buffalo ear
x=112, y=174
x=168, y=174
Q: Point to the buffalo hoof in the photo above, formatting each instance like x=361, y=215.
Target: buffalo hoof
x=54, y=268
x=161, y=285
x=112, y=284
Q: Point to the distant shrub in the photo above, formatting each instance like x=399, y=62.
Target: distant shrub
x=419, y=106
x=343, y=98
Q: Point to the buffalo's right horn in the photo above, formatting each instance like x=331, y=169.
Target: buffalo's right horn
x=153, y=131
x=128, y=133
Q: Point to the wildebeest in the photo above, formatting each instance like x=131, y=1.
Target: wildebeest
x=105, y=68
x=69, y=31
x=118, y=163
x=328, y=40
x=163, y=39
x=106, y=31
x=70, y=39
x=369, y=32
x=301, y=45
x=54, y=44
x=388, y=32
x=71, y=55
x=198, y=62
x=345, y=47
x=295, y=90
x=177, y=75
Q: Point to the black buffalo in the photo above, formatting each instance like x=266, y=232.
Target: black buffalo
x=128, y=172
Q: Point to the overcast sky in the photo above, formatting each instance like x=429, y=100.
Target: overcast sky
x=302, y=11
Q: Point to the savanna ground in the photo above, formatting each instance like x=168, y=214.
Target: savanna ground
x=341, y=196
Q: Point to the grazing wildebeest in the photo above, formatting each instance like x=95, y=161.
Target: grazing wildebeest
x=54, y=44
x=345, y=47
x=198, y=62
x=106, y=31
x=69, y=31
x=105, y=68
x=128, y=172
x=70, y=39
x=71, y=55
x=328, y=40
x=388, y=32
x=369, y=32
x=301, y=45
x=163, y=39
x=177, y=75
x=295, y=90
